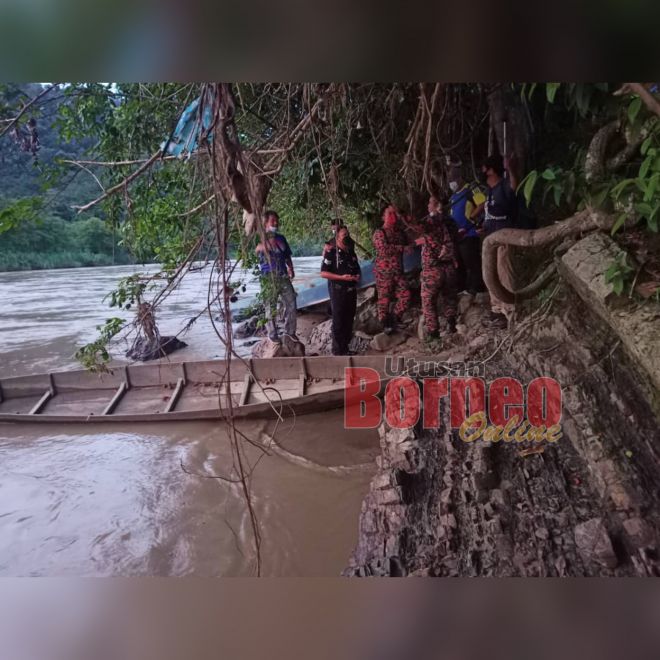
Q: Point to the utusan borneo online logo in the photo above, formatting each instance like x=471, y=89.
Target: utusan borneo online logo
x=498, y=410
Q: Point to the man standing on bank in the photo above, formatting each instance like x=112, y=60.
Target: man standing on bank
x=465, y=202
x=276, y=268
x=500, y=210
x=341, y=268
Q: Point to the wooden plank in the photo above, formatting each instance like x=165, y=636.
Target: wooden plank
x=303, y=377
x=308, y=404
x=272, y=369
x=20, y=386
x=175, y=395
x=245, y=393
x=121, y=390
x=326, y=367
x=47, y=395
x=247, y=383
x=76, y=381
x=152, y=375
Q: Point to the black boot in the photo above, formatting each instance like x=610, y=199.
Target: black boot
x=388, y=324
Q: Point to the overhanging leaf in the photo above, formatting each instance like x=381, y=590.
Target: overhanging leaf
x=619, y=223
x=633, y=109
x=530, y=182
x=551, y=91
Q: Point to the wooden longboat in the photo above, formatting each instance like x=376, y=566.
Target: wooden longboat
x=182, y=390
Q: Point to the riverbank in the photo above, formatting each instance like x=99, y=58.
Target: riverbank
x=21, y=261
x=587, y=505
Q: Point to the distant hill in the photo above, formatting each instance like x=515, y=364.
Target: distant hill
x=60, y=237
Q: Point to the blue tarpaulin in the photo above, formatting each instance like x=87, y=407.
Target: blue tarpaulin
x=185, y=139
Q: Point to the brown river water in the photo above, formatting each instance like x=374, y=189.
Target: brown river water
x=146, y=499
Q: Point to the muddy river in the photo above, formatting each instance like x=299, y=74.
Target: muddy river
x=154, y=499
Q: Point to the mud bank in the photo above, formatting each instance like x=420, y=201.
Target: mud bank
x=588, y=505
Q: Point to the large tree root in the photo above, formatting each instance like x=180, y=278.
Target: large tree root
x=581, y=222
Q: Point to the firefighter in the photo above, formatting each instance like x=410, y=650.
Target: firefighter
x=390, y=243
x=439, y=276
x=341, y=268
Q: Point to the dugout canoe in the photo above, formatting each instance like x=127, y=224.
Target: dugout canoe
x=315, y=290
x=181, y=391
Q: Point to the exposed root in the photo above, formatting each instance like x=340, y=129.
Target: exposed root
x=581, y=222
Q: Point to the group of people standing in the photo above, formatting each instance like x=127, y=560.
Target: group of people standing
x=450, y=238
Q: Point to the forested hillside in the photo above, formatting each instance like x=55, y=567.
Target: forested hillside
x=49, y=234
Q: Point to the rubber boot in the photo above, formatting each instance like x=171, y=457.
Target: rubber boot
x=389, y=325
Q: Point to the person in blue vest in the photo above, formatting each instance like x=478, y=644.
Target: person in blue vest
x=465, y=203
x=276, y=267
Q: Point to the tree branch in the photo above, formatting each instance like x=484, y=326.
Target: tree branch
x=26, y=107
x=121, y=185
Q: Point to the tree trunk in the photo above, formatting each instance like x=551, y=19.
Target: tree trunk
x=507, y=107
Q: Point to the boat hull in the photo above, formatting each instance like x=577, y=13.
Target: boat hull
x=186, y=391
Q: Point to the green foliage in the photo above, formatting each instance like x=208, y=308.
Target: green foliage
x=35, y=241
x=129, y=291
x=619, y=273
x=12, y=214
x=95, y=356
x=632, y=190
x=551, y=91
x=634, y=108
x=528, y=185
x=639, y=195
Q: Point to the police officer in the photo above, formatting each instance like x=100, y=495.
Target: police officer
x=340, y=266
x=439, y=275
x=390, y=243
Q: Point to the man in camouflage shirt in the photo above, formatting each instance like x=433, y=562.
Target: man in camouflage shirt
x=390, y=242
x=439, y=275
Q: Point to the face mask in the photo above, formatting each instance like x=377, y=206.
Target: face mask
x=273, y=230
x=453, y=186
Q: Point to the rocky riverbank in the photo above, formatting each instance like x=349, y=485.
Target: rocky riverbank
x=587, y=505
x=315, y=331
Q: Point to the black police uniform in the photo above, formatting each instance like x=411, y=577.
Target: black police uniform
x=343, y=295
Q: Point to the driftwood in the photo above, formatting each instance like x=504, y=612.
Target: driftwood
x=581, y=222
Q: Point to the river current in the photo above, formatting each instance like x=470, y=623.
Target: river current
x=151, y=499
